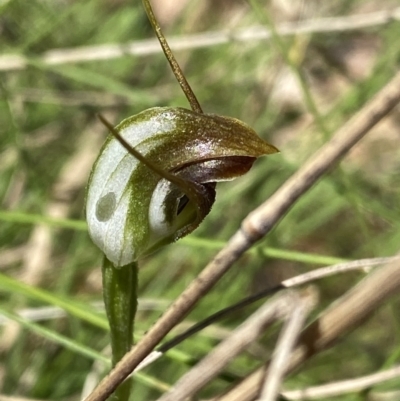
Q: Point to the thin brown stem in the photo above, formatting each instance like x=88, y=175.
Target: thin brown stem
x=313, y=275
x=286, y=342
x=335, y=389
x=213, y=363
x=340, y=318
x=176, y=69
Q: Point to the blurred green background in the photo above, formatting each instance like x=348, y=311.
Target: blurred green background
x=294, y=90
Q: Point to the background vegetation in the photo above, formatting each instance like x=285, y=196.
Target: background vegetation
x=294, y=90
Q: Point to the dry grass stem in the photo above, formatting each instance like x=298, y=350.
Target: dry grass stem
x=296, y=281
x=213, y=363
x=139, y=48
x=343, y=387
x=255, y=226
x=16, y=398
x=384, y=395
x=344, y=315
x=286, y=342
x=327, y=271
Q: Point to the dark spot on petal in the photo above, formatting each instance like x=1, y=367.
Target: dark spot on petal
x=105, y=207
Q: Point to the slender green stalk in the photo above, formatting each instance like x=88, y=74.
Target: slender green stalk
x=176, y=69
x=120, y=299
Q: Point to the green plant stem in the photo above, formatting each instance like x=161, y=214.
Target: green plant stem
x=120, y=299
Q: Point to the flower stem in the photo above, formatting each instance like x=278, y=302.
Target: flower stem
x=120, y=299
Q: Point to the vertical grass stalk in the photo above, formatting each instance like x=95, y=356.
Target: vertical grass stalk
x=120, y=299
